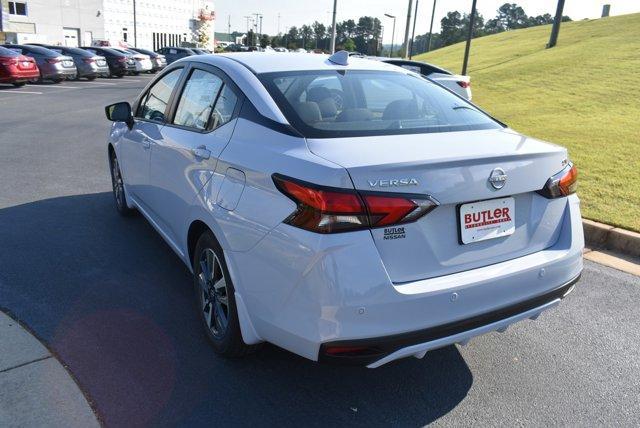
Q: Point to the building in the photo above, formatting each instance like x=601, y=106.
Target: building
x=157, y=23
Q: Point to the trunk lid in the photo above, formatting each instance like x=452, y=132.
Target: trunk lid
x=453, y=168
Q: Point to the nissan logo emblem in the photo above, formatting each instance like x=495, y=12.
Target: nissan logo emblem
x=498, y=178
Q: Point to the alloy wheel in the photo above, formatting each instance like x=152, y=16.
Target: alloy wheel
x=214, y=300
x=116, y=181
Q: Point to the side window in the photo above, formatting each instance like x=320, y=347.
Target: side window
x=197, y=100
x=223, y=110
x=155, y=101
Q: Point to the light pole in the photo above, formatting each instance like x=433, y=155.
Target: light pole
x=470, y=34
x=556, y=25
x=393, y=32
x=433, y=13
x=406, y=31
x=135, y=29
x=333, y=27
x=413, y=32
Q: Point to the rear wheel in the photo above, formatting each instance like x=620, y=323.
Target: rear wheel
x=90, y=78
x=117, y=184
x=57, y=80
x=215, y=298
x=136, y=73
x=19, y=84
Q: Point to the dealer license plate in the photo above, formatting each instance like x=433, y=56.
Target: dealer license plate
x=484, y=220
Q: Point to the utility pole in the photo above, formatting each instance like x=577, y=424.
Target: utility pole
x=247, y=18
x=393, y=32
x=278, y=23
x=556, y=25
x=413, y=32
x=406, y=31
x=229, y=26
x=433, y=13
x=135, y=29
x=260, y=24
x=472, y=19
x=333, y=27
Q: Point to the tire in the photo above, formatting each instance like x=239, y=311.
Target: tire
x=117, y=185
x=136, y=73
x=56, y=81
x=226, y=340
x=19, y=84
x=91, y=78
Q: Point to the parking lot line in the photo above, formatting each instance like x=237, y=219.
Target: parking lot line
x=20, y=92
x=99, y=83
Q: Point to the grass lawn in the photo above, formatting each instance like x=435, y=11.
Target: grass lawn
x=582, y=94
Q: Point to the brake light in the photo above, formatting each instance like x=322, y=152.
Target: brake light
x=561, y=184
x=330, y=210
x=464, y=84
x=88, y=60
x=52, y=60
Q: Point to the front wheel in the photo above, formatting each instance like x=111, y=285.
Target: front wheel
x=215, y=298
x=118, y=189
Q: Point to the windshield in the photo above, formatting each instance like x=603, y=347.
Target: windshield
x=357, y=103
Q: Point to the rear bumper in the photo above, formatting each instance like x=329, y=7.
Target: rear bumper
x=383, y=350
x=306, y=292
x=19, y=76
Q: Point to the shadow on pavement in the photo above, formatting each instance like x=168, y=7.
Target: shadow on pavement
x=116, y=305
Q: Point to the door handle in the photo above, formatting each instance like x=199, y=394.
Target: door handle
x=201, y=152
x=146, y=143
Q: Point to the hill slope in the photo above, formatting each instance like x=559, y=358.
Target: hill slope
x=582, y=94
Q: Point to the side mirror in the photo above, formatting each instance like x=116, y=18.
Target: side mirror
x=120, y=112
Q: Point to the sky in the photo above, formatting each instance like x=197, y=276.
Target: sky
x=299, y=12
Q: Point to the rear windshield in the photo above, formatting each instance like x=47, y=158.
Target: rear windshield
x=328, y=104
x=8, y=52
x=73, y=51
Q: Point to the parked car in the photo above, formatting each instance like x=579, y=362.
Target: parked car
x=457, y=83
x=158, y=61
x=236, y=47
x=119, y=64
x=142, y=62
x=282, y=49
x=53, y=65
x=174, y=54
x=88, y=64
x=16, y=68
x=200, y=51
x=400, y=220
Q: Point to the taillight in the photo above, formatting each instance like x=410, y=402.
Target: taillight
x=464, y=84
x=330, y=210
x=8, y=60
x=52, y=60
x=561, y=184
x=88, y=60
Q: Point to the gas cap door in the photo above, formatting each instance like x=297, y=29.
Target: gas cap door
x=231, y=189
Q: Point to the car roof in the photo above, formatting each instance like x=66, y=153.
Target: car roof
x=266, y=62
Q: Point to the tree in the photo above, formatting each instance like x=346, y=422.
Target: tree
x=512, y=16
x=451, y=28
x=349, y=45
x=306, y=33
x=264, y=40
x=251, y=38
x=292, y=38
x=319, y=31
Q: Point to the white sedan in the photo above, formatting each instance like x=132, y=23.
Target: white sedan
x=344, y=209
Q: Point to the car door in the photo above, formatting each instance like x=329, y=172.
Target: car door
x=136, y=144
x=185, y=158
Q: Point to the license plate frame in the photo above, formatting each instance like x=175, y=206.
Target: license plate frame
x=488, y=220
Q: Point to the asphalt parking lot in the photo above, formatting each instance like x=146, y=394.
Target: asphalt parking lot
x=110, y=298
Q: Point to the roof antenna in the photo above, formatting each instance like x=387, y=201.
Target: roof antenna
x=340, y=58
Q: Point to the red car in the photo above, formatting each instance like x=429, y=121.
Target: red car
x=16, y=68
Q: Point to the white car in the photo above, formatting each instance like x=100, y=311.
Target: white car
x=344, y=209
x=457, y=83
x=142, y=62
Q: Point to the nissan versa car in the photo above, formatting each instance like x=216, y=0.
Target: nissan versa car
x=53, y=65
x=88, y=64
x=17, y=69
x=344, y=209
x=119, y=63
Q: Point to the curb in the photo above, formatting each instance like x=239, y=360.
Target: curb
x=599, y=235
x=36, y=389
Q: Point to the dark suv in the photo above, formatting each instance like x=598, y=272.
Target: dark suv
x=174, y=54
